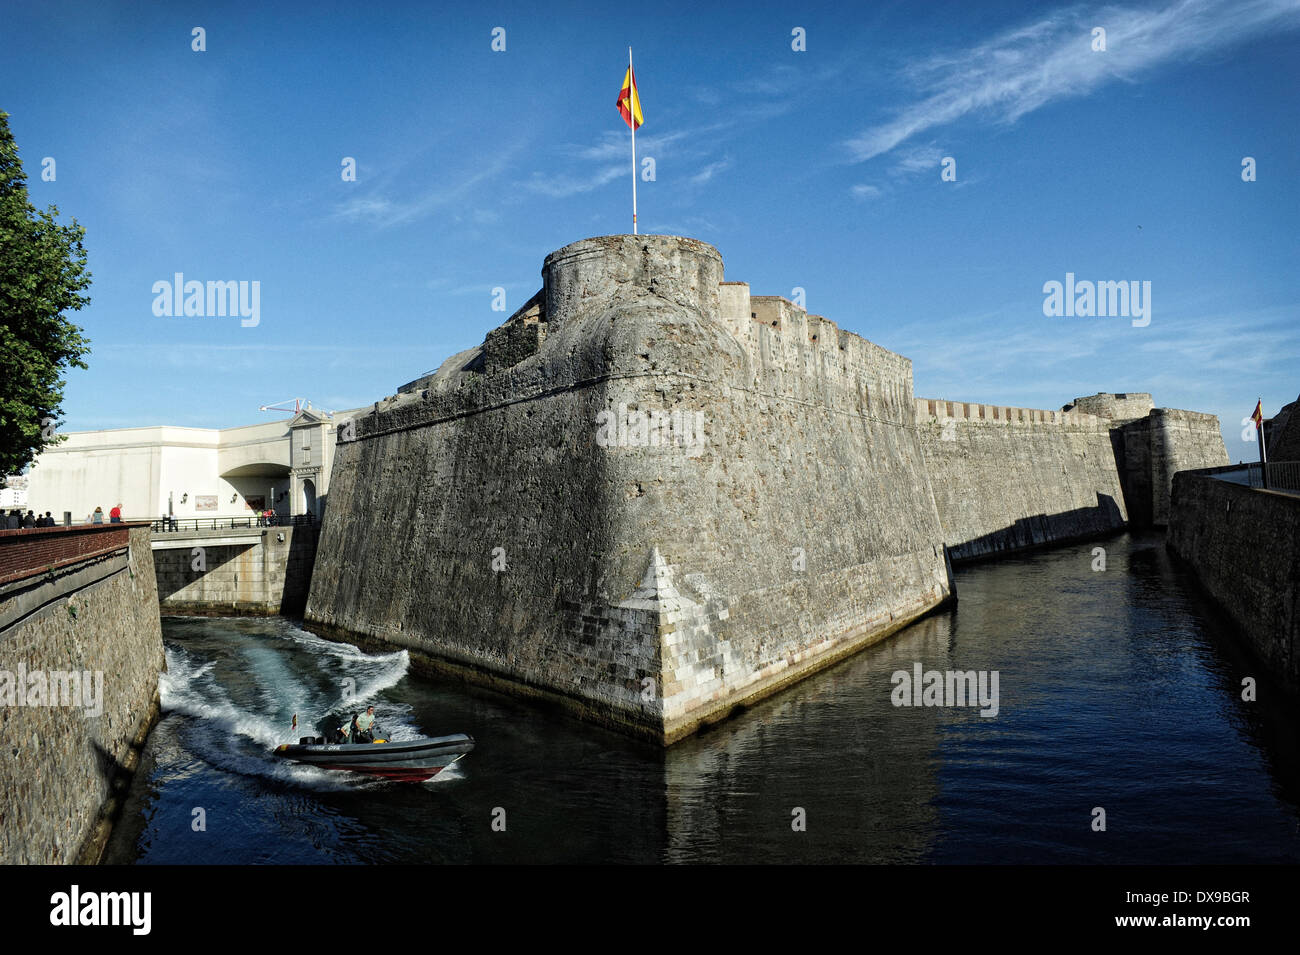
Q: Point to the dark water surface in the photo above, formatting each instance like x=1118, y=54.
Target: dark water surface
x=1117, y=690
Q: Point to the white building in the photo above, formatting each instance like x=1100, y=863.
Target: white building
x=13, y=493
x=189, y=472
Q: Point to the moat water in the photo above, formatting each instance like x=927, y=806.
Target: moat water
x=1118, y=690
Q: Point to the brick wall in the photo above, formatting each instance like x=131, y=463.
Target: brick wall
x=34, y=550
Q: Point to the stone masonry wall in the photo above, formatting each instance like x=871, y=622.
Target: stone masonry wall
x=1244, y=546
x=649, y=585
x=1282, y=434
x=101, y=616
x=1117, y=406
x=265, y=575
x=766, y=496
x=1009, y=478
x=1169, y=440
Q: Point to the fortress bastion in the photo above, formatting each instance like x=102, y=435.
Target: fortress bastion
x=652, y=497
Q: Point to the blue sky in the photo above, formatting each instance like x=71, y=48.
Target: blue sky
x=818, y=169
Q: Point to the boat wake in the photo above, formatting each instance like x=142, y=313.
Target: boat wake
x=239, y=690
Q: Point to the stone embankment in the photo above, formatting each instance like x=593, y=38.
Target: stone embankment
x=80, y=654
x=1243, y=544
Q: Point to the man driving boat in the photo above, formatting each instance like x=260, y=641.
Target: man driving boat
x=365, y=726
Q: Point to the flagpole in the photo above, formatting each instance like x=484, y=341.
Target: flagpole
x=632, y=100
x=1263, y=452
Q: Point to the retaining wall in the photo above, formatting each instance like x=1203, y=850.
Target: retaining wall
x=1244, y=546
x=86, y=603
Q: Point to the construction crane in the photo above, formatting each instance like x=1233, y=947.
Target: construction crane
x=298, y=405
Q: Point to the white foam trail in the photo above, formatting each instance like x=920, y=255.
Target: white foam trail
x=206, y=700
x=448, y=774
x=235, y=755
x=372, y=673
x=238, y=737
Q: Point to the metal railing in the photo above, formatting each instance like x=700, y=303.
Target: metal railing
x=178, y=524
x=1282, y=475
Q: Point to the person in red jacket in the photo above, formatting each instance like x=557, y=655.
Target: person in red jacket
x=115, y=515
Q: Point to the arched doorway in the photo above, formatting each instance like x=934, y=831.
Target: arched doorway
x=309, y=497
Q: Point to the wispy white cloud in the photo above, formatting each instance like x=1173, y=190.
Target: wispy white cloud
x=372, y=208
x=559, y=186
x=157, y=348
x=1185, y=358
x=1051, y=59
x=389, y=204
x=711, y=170
x=486, y=289
x=615, y=146
x=202, y=359
x=916, y=159
x=693, y=149
x=865, y=191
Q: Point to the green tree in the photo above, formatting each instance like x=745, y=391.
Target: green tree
x=42, y=273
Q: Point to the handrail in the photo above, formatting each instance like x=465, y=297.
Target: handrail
x=177, y=524
x=1274, y=476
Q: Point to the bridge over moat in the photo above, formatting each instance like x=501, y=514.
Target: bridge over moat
x=224, y=569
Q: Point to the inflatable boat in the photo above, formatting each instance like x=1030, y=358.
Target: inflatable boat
x=409, y=760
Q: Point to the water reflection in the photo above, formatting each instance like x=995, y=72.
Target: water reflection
x=1118, y=690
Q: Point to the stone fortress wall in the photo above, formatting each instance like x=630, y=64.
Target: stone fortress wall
x=1009, y=478
x=657, y=580
x=1282, y=433
x=1120, y=408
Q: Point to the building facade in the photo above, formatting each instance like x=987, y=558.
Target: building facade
x=189, y=472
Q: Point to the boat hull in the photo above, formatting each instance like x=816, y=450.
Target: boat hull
x=404, y=761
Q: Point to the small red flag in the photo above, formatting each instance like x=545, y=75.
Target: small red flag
x=1258, y=416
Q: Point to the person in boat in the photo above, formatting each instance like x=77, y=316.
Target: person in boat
x=347, y=732
x=365, y=726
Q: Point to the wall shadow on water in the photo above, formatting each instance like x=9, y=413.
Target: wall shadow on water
x=1028, y=532
x=1272, y=720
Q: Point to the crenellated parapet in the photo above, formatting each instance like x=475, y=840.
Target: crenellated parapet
x=937, y=411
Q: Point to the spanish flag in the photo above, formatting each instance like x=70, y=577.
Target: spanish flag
x=1258, y=416
x=629, y=101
